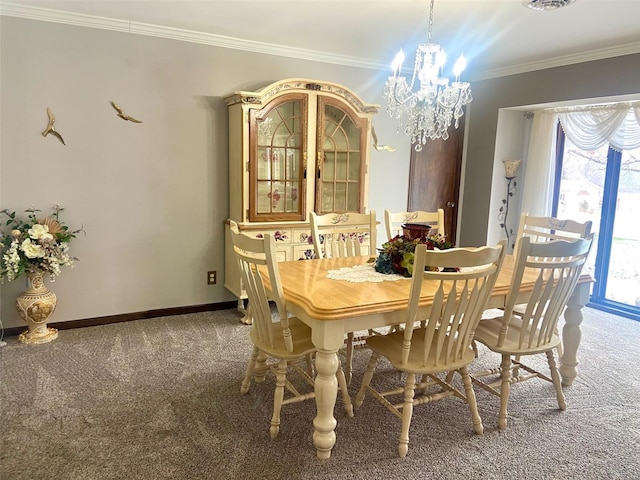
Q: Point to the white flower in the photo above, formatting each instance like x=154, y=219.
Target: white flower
x=39, y=231
x=12, y=260
x=32, y=250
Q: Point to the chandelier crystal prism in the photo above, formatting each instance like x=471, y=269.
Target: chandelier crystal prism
x=428, y=111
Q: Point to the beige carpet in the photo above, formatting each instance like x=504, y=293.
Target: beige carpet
x=159, y=399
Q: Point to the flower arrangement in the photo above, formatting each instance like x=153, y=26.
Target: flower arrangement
x=35, y=244
x=397, y=255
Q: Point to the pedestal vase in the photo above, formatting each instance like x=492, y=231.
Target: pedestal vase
x=35, y=305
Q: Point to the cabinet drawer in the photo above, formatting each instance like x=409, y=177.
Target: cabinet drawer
x=303, y=252
x=282, y=255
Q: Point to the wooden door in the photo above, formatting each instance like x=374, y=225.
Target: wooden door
x=434, y=178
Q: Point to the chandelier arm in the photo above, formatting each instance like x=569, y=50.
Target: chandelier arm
x=395, y=96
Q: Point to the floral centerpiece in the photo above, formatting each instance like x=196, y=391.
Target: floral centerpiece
x=397, y=255
x=35, y=245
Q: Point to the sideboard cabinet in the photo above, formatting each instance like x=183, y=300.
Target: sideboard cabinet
x=296, y=146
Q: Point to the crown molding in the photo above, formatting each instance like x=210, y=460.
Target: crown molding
x=104, y=23
x=114, y=24
x=599, y=54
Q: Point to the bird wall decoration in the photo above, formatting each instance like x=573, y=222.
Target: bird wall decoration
x=50, y=128
x=123, y=115
x=375, y=142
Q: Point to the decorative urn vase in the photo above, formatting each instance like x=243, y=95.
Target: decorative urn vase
x=35, y=305
x=415, y=231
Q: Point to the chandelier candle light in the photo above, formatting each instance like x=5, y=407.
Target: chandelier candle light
x=436, y=102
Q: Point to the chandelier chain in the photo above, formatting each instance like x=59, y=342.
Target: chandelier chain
x=430, y=29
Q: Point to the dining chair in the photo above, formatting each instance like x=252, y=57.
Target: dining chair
x=555, y=268
x=393, y=221
x=345, y=235
x=278, y=335
x=543, y=229
x=442, y=347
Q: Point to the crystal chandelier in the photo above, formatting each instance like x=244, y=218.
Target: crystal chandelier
x=431, y=108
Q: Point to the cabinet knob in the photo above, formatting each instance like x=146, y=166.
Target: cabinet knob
x=451, y=204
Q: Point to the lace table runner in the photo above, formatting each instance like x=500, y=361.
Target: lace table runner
x=362, y=273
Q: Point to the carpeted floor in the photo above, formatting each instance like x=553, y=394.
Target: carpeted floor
x=159, y=399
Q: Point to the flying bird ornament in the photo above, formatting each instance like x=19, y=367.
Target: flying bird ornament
x=388, y=148
x=50, y=127
x=123, y=115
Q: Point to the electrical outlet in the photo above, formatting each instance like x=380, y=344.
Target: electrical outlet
x=211, y=277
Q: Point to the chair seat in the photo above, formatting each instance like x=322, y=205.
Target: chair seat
x=487, y=332
x=302, y=344
x=390, y=346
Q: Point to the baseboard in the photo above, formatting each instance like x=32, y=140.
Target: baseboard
x=127, y=317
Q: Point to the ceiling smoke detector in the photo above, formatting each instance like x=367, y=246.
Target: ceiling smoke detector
x=546, y=4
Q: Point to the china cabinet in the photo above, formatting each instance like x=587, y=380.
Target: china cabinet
x=296, y=146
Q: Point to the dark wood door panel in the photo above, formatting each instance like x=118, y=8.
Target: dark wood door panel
x=434, y=177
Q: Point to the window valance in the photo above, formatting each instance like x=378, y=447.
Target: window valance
x=617, y=125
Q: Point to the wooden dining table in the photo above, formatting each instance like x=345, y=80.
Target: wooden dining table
x=333, y=308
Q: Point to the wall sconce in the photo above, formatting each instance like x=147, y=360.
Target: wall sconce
x=510, y=172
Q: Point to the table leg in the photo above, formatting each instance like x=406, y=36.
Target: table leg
x=326, y=389
x=571, y=333
x=246, y=319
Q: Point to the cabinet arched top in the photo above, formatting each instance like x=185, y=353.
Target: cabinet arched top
x=294, y=85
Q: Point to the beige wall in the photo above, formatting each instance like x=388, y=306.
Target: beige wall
x=153, y=197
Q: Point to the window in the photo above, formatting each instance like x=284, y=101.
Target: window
x=603, y=185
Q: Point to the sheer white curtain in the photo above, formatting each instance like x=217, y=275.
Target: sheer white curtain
x=617, y=125
x=537, y=191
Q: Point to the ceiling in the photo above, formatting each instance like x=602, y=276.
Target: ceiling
x=497, y=37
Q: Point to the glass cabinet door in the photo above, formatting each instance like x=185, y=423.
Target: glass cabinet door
x=277, y=138
x=341, y=162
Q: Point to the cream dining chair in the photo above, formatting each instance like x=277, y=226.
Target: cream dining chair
x=345, y=235
x=283, y=338
x=393, y=221
x=544, y=229
x=555, y=267
x=441, y=347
